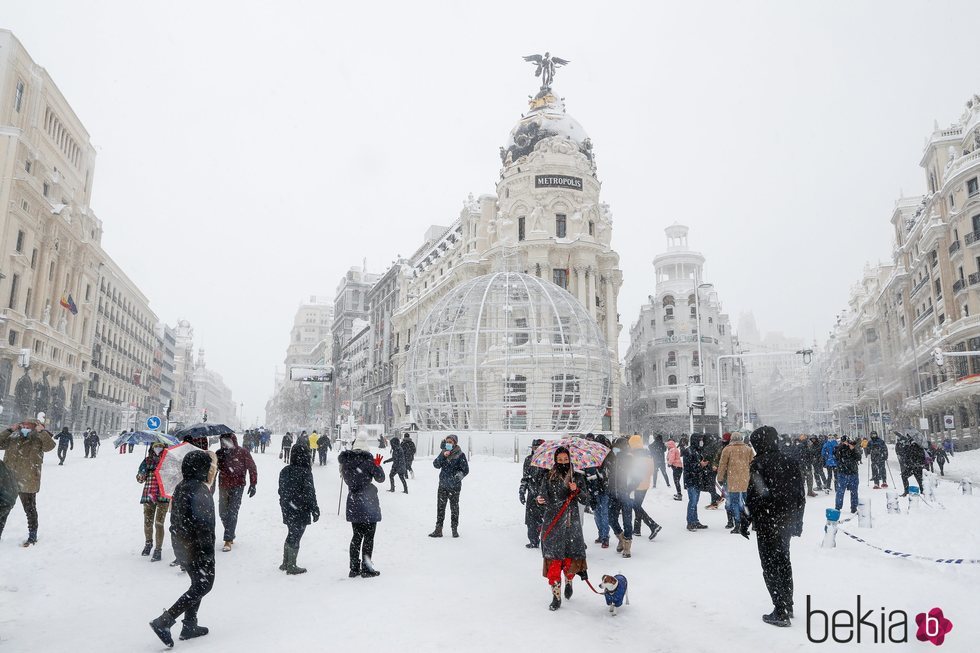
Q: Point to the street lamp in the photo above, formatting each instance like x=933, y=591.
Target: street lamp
x=699, y=378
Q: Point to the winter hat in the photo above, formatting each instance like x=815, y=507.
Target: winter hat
x=764, y=438
x=737, y=437
x=452, y=438
x=726, y=437
x=636, y=442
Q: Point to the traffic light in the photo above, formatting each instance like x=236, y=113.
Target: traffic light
x=724, y=409
x=938, y=356
x=695, y=396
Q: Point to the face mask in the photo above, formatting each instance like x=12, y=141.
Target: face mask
x=562, y=467
x=448, y=446
x=226, y=444
x=615, y=449
x=157, y=450
x=25, y=432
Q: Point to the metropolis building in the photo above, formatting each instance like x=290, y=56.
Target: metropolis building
x=546, y=220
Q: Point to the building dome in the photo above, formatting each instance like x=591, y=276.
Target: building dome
x=508, y=352
x=547, y=118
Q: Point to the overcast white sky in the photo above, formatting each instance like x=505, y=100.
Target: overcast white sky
x=250, y=153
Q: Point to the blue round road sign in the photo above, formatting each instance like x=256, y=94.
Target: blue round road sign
x=153, y=423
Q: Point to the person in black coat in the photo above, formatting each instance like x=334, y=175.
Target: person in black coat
x=65, y=441
x=192, y=533
x=453, y=468
x=694, y=464
x=774, y=505
x=360, y=471
x=297, y=500
x=911, y=460
x=323, y=445
x=94, y=443
x=408, y=446
x=533, y=512
x=398, y=466
x=287, y=445
x=562, y=542
x=658, y=450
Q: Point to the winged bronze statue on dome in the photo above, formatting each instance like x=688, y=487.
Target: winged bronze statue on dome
x=546, y=66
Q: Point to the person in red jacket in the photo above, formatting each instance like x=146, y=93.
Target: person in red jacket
x=233, y=464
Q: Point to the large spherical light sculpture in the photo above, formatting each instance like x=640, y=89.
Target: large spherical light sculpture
x=508, y=352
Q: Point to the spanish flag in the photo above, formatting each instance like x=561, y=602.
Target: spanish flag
x=69, y=304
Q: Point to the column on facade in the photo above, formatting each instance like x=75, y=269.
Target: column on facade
x=611, y=317
x=580, y=285
x=590, y=298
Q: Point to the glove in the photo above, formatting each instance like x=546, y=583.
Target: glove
x=316, y=514
x=251, y=491
x=521, y=495
x=377, y=460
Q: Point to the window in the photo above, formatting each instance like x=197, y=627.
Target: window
x=670, y=333
x=560, y=225
x=695, y=361
x=520, y=228
x=515, y=396
x=672, y=403
x=560, y=277
x=46, y=189
x=972, y=187
x=12, y=337
x=671, y=359
x=672, y=380
x=13, y=291
x=939, y=288
x=27, y=303
x=591, y=228
x=27, y=165
x=560, y=336
x=20, y=242
x=565, y=398
x=88, y=292
x=19, y=96
x=33, y=258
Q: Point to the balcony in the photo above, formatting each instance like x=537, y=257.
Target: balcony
x=926, y=313
x=668, y=318
x=974, y=278
x=919, y=286
x=959, y=285
x=971, y=238
x=954, y=247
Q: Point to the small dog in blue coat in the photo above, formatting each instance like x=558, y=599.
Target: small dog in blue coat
x=614, y=589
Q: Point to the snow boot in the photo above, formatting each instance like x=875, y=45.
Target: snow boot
x=555, y=597
x=656, y=529
x=877, y=487
x=731, y=522
x=31, y=539
x=568, y=588
x=285, y=558
x=437, y=532
x=147, y=548
x=677, y=497
x=161, y=626
x=777, y=618
x=811, y=494
x=699, y=526
x=157, y=555
x=692, y=527
x=598, y=540
x=627, y=546
x=455, y=532
x=367, y=569
x=191, y=629
x=636, y=527
x=605, y=543
x=530, y=545
x=291, y=568
x=884, y=486
x=619, y=547
x=227, y=547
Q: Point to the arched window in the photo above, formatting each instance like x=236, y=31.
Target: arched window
x=671, y=380
x=691, y=301
x=668, y=300
x=671, y=359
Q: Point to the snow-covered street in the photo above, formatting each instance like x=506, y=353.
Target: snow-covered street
x=85, y=587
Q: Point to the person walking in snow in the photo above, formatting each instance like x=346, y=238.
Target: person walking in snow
x=643, y=469
x=86, y=444
x=733, y=470
x=192, y=533
x=24, y=446
x=848, y=457
x=287, y=445
x=694, y=464
x=829, y=461
x=297, y=500
x=941, y=459
x=911, y=459
x=234, y=463
x=676, y=464
x=398, y=467
x=453, y=468
x=408, y=446
x=533, y=512
x=657, y=451
x=774, y=505
x=562, y=543
x=360, y=472
x=619, y=481
x=878, y=453
x=323, y=445
x=155, y=505
x=314, y=441
x=94, y=442
x=66, y=441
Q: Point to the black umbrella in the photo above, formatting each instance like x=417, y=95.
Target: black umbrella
x=203, y=429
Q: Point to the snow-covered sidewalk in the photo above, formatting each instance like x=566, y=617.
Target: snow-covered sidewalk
x=85, y=587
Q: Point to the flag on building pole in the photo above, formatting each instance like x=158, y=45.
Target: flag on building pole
x=68, y=304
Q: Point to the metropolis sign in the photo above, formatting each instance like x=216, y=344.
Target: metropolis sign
x=557, y=181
